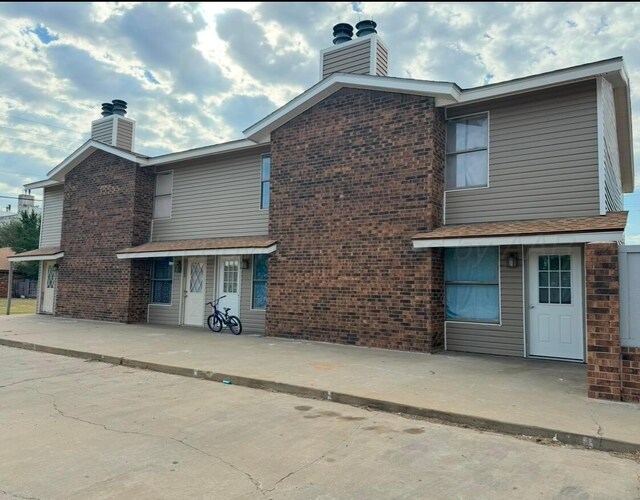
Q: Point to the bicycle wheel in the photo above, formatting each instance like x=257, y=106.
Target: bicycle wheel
x=234, y=325
x=214, y=323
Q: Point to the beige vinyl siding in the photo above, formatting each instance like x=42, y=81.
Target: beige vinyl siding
x=102, y=131
x=213, y=199
x=124, y=137
x=382, y=61
x=543, y=158
x=51, y=228
x=164, y=314
x=506, y=339
x=612, y=178
x=354, y=58
x=252, y=320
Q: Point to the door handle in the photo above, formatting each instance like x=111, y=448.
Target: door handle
x=531, y=306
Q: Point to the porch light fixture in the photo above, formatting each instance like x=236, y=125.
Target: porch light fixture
x=512, y=260
x=244, y=264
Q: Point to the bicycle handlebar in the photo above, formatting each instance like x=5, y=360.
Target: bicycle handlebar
x=216, y=301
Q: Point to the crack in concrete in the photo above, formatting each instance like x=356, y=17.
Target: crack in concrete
x=16, y=495
x=255, y=482
x=316, y=460
x=53, y=376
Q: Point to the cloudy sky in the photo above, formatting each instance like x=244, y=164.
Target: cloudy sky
x=198, y=74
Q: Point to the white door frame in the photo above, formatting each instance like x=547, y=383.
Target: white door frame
x=220, y=281
x=186, y=270
x=577, y=286
x=47, y=264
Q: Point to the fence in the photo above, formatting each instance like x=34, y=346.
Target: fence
x=630, y=295
x=25, y=288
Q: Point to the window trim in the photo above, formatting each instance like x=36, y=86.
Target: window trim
x=263, y=181
x=155, y=196
x=253, y=264
x=461, y=117
x=499, y=283
x=153, y=279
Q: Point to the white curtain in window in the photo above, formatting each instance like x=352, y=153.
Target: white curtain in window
x=471, y=276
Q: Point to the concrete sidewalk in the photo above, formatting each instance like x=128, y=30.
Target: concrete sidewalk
x=519, y=396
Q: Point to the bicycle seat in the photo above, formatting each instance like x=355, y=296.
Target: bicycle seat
x=226, y=309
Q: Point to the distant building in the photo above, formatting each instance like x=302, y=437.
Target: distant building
x=26, y=203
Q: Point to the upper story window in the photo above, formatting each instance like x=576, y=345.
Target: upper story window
x=467, y=152
x=162, y=197
x=266, y=181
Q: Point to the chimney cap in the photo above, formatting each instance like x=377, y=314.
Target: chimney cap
x=366, y=27
x=107, y=109
x=342, y=32
x=119, y=107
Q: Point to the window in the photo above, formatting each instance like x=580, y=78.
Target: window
x=162, y=198
x=266, y=181
x=554, y=279
x=161, y=276
x=471, y=282
x=260, y=276
x=467, y=152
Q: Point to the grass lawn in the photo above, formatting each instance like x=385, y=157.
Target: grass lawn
x=18, y=306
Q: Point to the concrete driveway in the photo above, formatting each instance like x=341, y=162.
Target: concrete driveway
x=514, y=395
x=78, y=429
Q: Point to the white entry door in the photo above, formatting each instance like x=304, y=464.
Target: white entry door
x=195, y=291
x=555, y=303
x=229, y=284
x=50, y=281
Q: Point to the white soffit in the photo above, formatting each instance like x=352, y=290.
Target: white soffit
x=195, y=253
x=533, y=239
x=54, y=256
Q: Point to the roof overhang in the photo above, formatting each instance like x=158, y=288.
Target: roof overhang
x=217, y=149
x=559, y=231
x=83, y=152
x=214, y=246
x=42, y=184
x=57, y=175
x=449, y=94
x=47, y=253
x=532, y=239
x=444, y=93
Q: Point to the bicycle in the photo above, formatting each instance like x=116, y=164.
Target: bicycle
x=217, y=320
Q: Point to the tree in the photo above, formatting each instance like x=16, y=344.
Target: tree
x=23, y=235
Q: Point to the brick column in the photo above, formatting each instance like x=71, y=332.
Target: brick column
x=603, y=321
x=631, y=374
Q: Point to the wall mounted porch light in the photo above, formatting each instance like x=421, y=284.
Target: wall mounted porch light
x=512, y=260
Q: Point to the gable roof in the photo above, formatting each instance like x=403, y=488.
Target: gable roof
x=449, y=94
x=56, y=176
x=445, y=94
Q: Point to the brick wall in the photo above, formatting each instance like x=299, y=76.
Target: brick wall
x=352, y=179
x=631, y=374
x=107, y=206
x=4, y=280
x=603, y=321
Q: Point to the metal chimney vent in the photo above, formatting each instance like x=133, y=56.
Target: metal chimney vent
x=366, y=28
x=107, y=109
x=119, y=107
x=342, y=32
